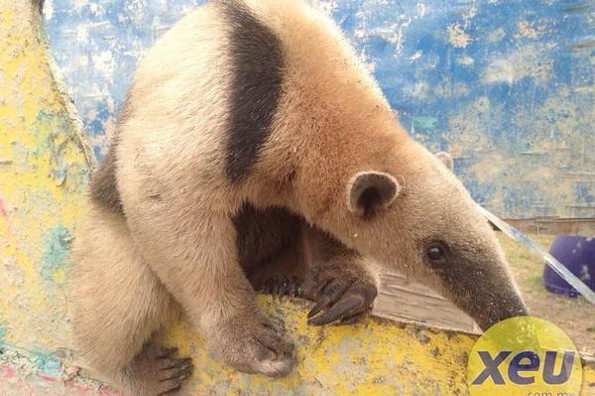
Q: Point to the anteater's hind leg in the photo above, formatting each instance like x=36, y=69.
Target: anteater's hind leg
x=285, y=273
x=117, y=305
x=271, y=250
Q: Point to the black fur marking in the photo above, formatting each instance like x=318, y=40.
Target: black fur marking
x=257, y=63
x=263, y=233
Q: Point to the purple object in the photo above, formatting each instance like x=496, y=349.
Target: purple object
x=578, y=255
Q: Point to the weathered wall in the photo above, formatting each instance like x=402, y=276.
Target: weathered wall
x=506, y=86
x=43, y=175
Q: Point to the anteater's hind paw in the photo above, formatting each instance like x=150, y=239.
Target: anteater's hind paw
x=159, y=371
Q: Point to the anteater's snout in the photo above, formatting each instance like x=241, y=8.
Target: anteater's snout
x=503, y=308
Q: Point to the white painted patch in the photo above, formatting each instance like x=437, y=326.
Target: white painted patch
x=92, y=114
x=461, y=89
x=104, y=62
x=471, y=12
x=419, y=89
x=48, y=9
x=533, y=61
x=111, y=105
x=457, y=37
x=527, y=30
x=83, y=61
x=496, y=35
x=369, y=65
x=325, y=6
x=82, y=34
x=80, y=4
x=95, y=8
x=465, y=60
x=416, y=56
x=393, y=33
x=421, y=9
x=499, y=71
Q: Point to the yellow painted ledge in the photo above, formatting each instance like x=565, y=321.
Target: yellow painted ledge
x=44, y=169
x=377, y=357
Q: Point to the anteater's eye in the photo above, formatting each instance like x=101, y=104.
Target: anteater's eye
x=436, y=251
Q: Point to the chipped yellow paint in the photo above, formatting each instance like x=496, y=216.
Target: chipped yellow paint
x=43, y=177
x=372, y=358
x=42, y=182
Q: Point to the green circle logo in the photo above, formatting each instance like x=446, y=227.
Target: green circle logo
x=524, y=356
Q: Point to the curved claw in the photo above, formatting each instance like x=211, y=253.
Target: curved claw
x=352, y=304
x=338, y=311
x=356, y=318
x=317, y=308
x=327, y=295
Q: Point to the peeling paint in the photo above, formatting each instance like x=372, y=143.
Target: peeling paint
x=56, y=252
x=529, y=61
x=2, y=335
x=465, y=60
x=496, y=35
x=457, y=37
x=3, y=209
x=527, y=30
x=425, y=123
x=43, y=181
x=28, y=374
x=47, y=363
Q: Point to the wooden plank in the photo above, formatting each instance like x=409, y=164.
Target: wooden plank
x=405, y=300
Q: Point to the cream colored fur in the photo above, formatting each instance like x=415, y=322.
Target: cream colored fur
x=118, y=303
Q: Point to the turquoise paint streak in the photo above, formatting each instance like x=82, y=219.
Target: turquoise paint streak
x=56, y=253
x=425, y=123
x=2, y=335
x=47, y=363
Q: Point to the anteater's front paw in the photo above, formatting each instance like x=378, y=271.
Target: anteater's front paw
x=251, y=345
x=340, y=296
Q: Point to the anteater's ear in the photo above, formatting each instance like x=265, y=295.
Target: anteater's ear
x=369, y=191
x=446, y=159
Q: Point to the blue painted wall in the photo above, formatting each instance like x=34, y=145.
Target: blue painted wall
x=508, y=87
